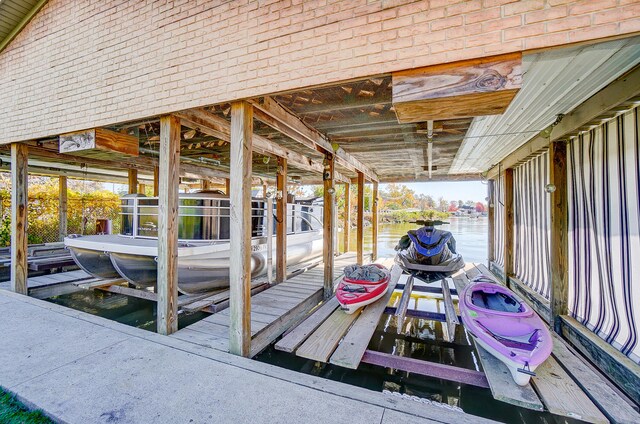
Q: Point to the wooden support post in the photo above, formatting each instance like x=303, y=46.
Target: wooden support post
x=62, y=208
x=347, y=216
x=19, y=196
x=508, y=224
x=133, y=181
x=156, y=172
x=374, y=221
x=240, y=229
x=559, y=234
x=227, y=186
x=205, y=184
x=492, y=225
x=168, y=181
x=281, y=221
x=328, y=224
x=142, y=189
x=360, y=221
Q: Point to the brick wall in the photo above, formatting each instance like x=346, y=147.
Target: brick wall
x=82, y=64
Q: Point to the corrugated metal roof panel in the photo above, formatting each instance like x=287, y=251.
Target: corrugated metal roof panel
x=554, y=82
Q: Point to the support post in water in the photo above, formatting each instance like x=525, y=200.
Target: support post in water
x=490, y=216
x=508, y=224
x=240, y=229
x=133, y=181
x=559, y=233
x=168, y=181
x=328, y=223
x=360, y=220
x=374, y=221
x=347, y=217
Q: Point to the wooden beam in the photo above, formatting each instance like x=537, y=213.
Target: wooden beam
x=492, y=225
x=133, y=181
x=168, y=180
x=619, y=92
x=62, y=207
x=559, y=266
x=98, y=143
x=374, y=218
x=508, y=224
x=217, y=126
x=435, y=178
x=469, y=88
x=281, y=221
x=276, y=116
x=19, y=199
x=347, y=216
x=156, y=172
x=328, y=225
x=360, y=221
x=240, y=229
x=227, y=186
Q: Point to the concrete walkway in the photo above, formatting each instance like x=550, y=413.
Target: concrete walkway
x=79, y=368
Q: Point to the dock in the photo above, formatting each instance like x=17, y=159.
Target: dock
x=60, y=375
x=560, y=385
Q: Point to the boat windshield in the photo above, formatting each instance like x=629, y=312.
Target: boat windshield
x=206, y=217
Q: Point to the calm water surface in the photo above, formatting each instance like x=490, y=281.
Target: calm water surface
x=411, y=337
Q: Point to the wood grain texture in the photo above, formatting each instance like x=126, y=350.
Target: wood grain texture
x=403, y=303
x=240, y=229
x=294, y=339
x=559, y=239
x=168, y=180
x=63, y=207
x=508, y=223
x=227, y=186
x=328, y=225
x=98, y=142
x=374, y=222
x=321, y=344
x=562, y=396
x=360, y=221
x=346, y=214
x=19, y=199
x=133, y=181
x=156, y=173
x=281, y=221
x=462, y=89
x=355, y=342
x=450, y=310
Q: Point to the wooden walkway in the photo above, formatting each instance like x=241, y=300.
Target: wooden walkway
x=331, y=336
x=273, y=311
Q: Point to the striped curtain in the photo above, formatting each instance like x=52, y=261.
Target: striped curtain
x=532, y=224
x=604, y=231
x=498, y=219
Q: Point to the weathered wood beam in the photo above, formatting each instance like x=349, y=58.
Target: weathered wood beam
x=559, y=265
x=360, y=221
x=374, y=218
x=492, y=225
x=168, y=201
x=133, y=181
x=273, y=114
x=328, y=220
x=508, y=224
x=156, y=172
x=347, y=216
x=19, y=199
x=211, y=124
x=227, y=186
x=616, y=94
x=425, y=178
x=62, y=207
x=469, y=88
x=240, y=229
x=98, y=142
x=281, y=221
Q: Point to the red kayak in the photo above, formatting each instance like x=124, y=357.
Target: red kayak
x=362, y=285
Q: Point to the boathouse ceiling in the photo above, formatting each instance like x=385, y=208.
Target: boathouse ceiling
x=359, y=118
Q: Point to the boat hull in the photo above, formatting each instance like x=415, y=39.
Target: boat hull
x=94, y=262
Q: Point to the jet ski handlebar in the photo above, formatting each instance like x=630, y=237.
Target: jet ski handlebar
x=430, y=223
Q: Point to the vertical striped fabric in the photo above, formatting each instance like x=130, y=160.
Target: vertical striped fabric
x=532, y=224
x=604, y=231
x=498, y=217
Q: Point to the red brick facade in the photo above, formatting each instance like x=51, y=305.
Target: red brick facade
x=90, y=63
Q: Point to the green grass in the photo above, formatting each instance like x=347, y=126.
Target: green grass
x=13, y=412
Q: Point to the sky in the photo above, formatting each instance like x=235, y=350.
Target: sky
x=453, y=190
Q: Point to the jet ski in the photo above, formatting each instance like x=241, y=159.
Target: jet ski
x=428, y=253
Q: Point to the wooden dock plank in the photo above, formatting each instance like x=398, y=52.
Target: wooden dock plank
x=321, y=344
x=355, y=342
x=403, y=303
x=562, y=396
x=502, y=386
x=298, y=335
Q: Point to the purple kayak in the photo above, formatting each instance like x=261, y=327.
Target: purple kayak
x=506, y=327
